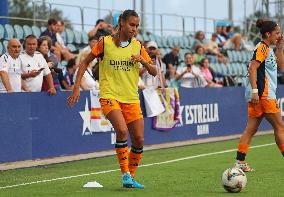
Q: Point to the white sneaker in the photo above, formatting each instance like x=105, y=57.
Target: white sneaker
x=244, y=167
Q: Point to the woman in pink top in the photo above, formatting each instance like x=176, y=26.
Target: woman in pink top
x=204, y=63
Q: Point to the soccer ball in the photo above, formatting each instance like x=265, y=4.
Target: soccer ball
x=234, y=180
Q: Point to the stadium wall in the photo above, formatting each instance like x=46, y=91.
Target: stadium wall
x=36, y=126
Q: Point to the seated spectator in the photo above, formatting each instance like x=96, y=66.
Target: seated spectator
x=190, y=75
x=60, y=27
x=199, y=54
x=56, y=48
x=44, y=44
x=101, y=29
x=71, y=68
x=213, y=49
x=159, y=79
x=171, y=59
x=88, y=81
x=234, y=43
x=35, y=67
x=171, y=78
x=206, y=72
x=199, y=40
x=92, y=41
x=11, y=69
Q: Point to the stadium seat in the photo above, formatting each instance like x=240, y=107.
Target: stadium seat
x=85, y=38
x=42, y=29
x=69, y=36
x=5, y=44
x=19, y=32
x=164, y=41
x=145, y=37
x=171, y=41
x=77, y=37
x=1, y=48
x=27, y=30
x=2, y=32
x=71, y=47
x=36, y=31
x=9, y=32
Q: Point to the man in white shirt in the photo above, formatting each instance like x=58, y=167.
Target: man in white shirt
x=35, y=67
x=159, y=79
x=11, y=68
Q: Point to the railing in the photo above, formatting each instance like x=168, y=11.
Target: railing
x=168, y=24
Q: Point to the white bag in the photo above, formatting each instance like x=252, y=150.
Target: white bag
x=153, y=103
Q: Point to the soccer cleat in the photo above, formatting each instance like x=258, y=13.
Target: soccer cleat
x=127, y=180
x=137, y=185
x=244, y=167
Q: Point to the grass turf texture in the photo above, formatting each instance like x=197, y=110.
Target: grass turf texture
x=193, y=177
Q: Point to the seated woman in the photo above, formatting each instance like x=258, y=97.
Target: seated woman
x=206, y=72
x=199, y=54
x=44, y=45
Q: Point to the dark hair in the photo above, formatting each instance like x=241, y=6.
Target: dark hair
x=71, y=63
x=198, y=47
x=60, y=21
x=99, y=20
x=93, y=38
x=43, y=38
x=201, y=63
x=265, y=26
x=123, y=17
x=188, y=53
x=51, y=21
x=197, y=34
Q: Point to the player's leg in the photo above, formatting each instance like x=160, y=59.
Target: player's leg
x=255, y=115
x=135, y=123
x=112, y=111
x=275, y=120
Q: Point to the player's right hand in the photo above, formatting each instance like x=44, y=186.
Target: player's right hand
x=254, y=99
x=74, y=98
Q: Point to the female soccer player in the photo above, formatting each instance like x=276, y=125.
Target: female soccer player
x=120, y=55
x=261, y=89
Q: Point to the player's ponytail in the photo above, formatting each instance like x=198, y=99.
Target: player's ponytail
x=265, y=26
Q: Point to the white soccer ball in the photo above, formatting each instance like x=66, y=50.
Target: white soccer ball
x=234, y=180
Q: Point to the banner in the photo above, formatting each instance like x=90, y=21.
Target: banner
x=170, y=117
x=99, y=123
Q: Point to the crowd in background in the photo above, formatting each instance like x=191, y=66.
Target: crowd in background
x=38, y=67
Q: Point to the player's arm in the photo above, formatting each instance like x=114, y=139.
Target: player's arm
x=145, y=60
x=96, y=52
x=6, y=82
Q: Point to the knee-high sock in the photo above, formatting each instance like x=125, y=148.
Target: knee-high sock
x=281, y=148
x=121, y=149
x=242, y=152
x=135, y=156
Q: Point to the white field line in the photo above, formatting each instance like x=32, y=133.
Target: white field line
x=145, y=165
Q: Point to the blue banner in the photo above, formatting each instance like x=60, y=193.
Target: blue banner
x=36, y=125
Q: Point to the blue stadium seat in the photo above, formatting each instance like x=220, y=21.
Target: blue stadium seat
x=164, y=42
x=19, y=32
x=5, y=44
x=36, y=31
x=1, y=49
x=27, y=30
x=9, y=32
x=42, y=29
x=71, y=47
x=77, y=37
x=85, y=38
x=2, y=32
x=69, y=35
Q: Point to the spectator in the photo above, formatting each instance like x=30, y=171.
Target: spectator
x=51, y=30
x=44, y=44
x=199, y=54
x=159, y=79
x=171, y=78
x=11, y=68
x=69, y=74
x=35, y=67
x=88, y=81
x=92, y=41
x=171, y=59
x=60, y=27
x=190, y=75
x=101, y=29
x=199, y=40
x=207, y=74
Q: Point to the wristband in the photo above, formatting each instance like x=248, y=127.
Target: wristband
x=254, y=91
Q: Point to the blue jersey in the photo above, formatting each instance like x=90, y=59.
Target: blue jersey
x=266, y=73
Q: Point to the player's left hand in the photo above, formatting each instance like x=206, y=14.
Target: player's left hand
x=137, y=58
